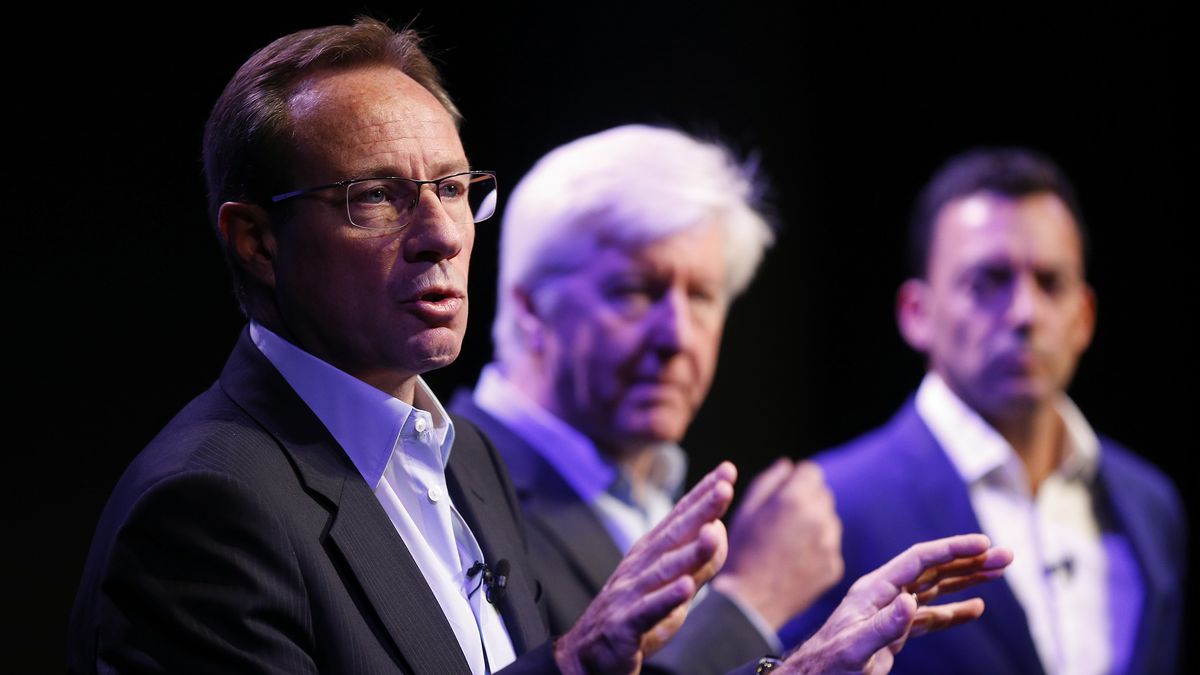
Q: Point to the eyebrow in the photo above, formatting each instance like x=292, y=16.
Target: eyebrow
x=386, y=172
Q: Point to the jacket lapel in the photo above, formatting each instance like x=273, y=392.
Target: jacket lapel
x=578, y=533
x=548, y=502
x=942, y=502
x=371, y=551
x=492, y=515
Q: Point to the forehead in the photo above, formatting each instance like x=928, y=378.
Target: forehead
x=1036, y=229
x=369, y=121
x=697, y=251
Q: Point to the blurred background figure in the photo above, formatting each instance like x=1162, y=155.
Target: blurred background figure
x=620, y=255
x=999, y=305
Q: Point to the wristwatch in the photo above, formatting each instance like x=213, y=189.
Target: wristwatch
x=768, y=664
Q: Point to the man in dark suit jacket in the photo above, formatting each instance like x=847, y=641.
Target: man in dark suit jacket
x=306, y=513
x=991, y=443
x=620, y=253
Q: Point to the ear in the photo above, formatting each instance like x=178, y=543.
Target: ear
x=247, y=235
x=912, y=314
x=530, y=324
x=1086, y=327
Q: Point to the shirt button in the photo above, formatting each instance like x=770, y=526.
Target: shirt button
x=420, y=425
x=435, y=494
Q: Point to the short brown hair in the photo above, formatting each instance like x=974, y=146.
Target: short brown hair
x=246, y=136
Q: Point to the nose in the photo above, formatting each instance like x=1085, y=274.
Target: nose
x=1024, y=304
x=433, y=236
x=670, y=330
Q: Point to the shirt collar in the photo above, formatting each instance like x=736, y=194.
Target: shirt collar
x=569, y=452
x=976, y=449
x=365, y=421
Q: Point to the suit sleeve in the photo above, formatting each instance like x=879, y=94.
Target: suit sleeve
x=202, y=578
x=716, y=638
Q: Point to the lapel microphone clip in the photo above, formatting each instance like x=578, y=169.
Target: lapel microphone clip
x=494, y=580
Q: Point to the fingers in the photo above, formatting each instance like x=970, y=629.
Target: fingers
x=725, y=471
x=953, y=585
x=938, y=617
x=959, y=574
x=693, y=559
x=785, y=543
x=704, y=503
x=907, y=567
x=808, y=492
x=765, y=485
x=889, y=626
x=651, y=608
x=645, y=600
x=881, y=662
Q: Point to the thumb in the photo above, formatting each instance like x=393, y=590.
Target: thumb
x=889, y=626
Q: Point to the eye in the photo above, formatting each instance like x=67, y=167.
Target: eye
x=986, y=281
x=376, y=193
x=451, y=188
x=627, y=290
x=1051, y=283
x=630, y=296
x=703, y=295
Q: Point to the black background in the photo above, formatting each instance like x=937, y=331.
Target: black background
x=119, y=311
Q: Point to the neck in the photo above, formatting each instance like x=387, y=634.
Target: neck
x=632, y=458
x=1037, y=436
x=635, y=463
x=398, y=385
x=403, y=387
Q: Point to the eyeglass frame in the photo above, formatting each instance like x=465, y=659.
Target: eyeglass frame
x=436, y=183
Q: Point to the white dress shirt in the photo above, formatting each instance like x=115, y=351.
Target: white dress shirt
x=1078, y=584
x=596, y=480
x=401, y=452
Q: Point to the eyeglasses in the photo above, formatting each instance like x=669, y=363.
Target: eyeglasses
x=389, y=202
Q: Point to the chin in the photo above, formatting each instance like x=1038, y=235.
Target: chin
x=433, y=349
x=658, y=430
x=1011, y=402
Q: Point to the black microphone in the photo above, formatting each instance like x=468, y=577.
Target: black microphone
x=1066, y=566
x=496, y=585
x=494, y=581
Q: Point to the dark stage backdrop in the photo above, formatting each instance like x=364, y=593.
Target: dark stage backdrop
x=120, y=311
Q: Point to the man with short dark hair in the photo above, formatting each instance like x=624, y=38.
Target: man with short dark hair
x=990, y=442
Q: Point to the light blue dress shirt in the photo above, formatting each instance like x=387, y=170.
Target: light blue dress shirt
x=401, y=452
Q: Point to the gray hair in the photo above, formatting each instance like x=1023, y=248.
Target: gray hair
x=629, y=186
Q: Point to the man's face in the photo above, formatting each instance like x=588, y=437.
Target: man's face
x=1008, y=312
x=632, y=338
x=382, y=306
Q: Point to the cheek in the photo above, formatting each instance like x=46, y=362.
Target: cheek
x=707, y=354
x=960, y=338
x=611, y=360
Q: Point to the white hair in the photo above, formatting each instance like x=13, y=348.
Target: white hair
x=628, y=186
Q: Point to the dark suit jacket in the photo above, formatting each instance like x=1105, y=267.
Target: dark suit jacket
x=573, y=555
x=895, y=486
x=243, y=539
